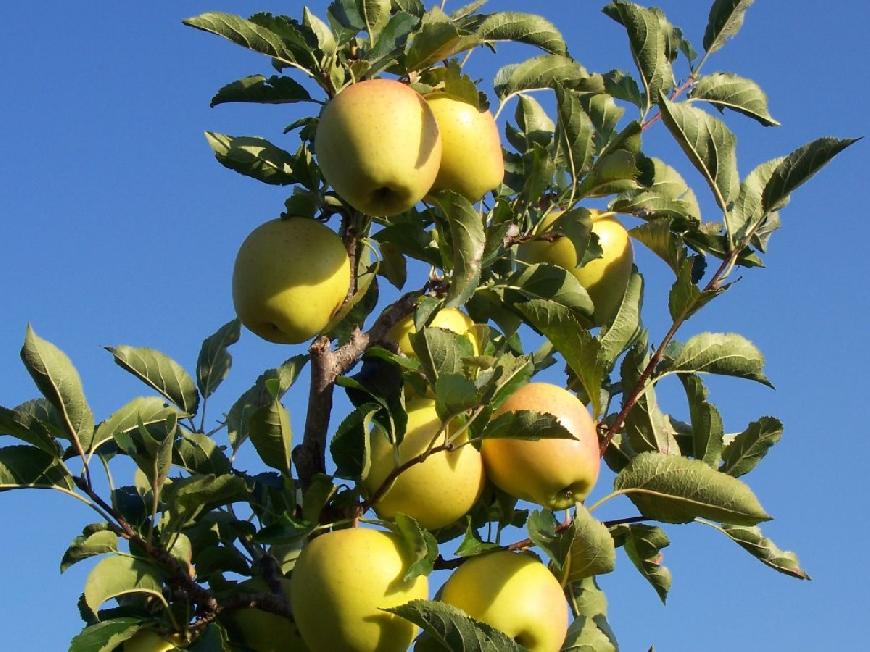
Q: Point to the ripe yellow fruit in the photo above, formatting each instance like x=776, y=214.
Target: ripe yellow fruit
x=378, y=146
x=449, y=319
x=513, y=592
x=472, y=162
x=290, y=277
x=555, y=473
x=147, y=641
x=341, y=582
x=262, y=631
x=437, y=491
x=605, y=278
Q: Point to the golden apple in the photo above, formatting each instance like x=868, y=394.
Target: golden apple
x=290, y=277
x=555, y=473
x=450, y=319
x=262, y=631
x=378, y=146
x=342, y=581
x=147, y=641
x=605, y=278
x=472, y=163
x=438, y=490
x=515, y=593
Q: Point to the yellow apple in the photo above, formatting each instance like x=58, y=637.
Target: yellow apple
x=147, y=641
x=378, y=146
x=438, y=490
x=515, y=593
x=472, y=163
x=341, y=583
x=450, y=319
x=262, y=631
x=605, y=278
x=555, y=473
x=290, y=277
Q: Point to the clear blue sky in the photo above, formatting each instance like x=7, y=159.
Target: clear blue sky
x=117, y=226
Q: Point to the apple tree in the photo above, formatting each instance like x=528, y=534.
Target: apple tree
x=430, y=264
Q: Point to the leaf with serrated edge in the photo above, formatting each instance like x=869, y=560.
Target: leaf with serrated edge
x=253, y=157
x=766, y=551
x=146, y=410
x=725, y=90
x=626, y=325
x=708, y=143
x=214, y=361
x=674, y=489
x=468, y=239
x=592, y=551
x=727, y=354
x=106, y=636
x=57, y=379
x=526, y=424
x=24, y=467
x=537, y=73
x=269, y=430
x=420, y=543
x=576, y=131
x=28, y=428
x=707, y=429
x=747, y=211
x=724, y=21
x=643, y=545
x=522, y=28
x=257, y=88
x=96, y=539
x=116, y=576
x=747, y=449
x=159, y=371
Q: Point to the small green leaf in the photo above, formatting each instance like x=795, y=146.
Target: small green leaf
x=728, y=354
x=747, y=212
x=626, y=325
x=106, y=636
x=468, y=240
x=322, y=33
x=724, y=21
x=526, y=424
x=472, y=544
x=453, y=629
x=454, y=395
x=766, y=551
x=551, y=283
x=253, y=157
x=440, y=352
x=685, y=297
x=590, y=631
x=664, y=195
x=658, y=236
x=674, y=489
x=707, y=429
x=199, y=453
x=257, y=88
x=643, y=545
x=350, y=444
x=94, y=540
x=521, y=28
x=159, y=371
x=647, y=428
x=709, y=144
x=375, y=14
x=57, y=379
x=214, y=362
x=147, y=410
x=116, y=576
x=191, y=496
x=746, y=450
x=576, y=132
x=537, y=73
x=27, y=466
x=269, y=430
x=438, y=38
x=28, y=428
x=725, y=90
x=420, y=543
x=591, y=550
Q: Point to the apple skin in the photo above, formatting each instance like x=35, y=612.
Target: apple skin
x=341, y=582
x=378, y=146
x=555, y=473
x=437, y=491
x=450, y=319
x=147, y=641
x=515, y=593
x=262, y=631
x=605, y=278
x=472, y=162
x=290, y=277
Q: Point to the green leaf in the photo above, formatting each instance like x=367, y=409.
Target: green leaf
x=106, y=636
x=438, y=38
x=623, y=87
x=686, y=298
x=617, y=169
x=191, y=496
x=709, y=144
x=728, y=354
x=591, y=550
x=116, y=576
x=725, y=90
x=659, y=238
x=648, y=31
x=454, y=395
x=96, y=539
x=572, y=341
x=538, y=73
x=643, y=545
x=522, y=28
x=707, y=430
x=590, y=631
x=666, y=195
x=746, y=450
x=674, y=489
x=375, y=14
x=468, y=239
x=259, y=396
x=322, y=33
x=766, y=551
x=28, y=428
x=57, y=379
x=542, y=528
x=747, y=212
x=26, y=466
x=550, y=283
x=199, y=453
x=247, y=33
x=798, y=167
x=526, y=424
x=626, y=325
x=151, y=449
x=276, y=89
x=391, y=42
x=349, y=447
x=453, y=629
x=420, y=543
x=576, y=132
x=647, y=428
x=725, y=20
x=214, y=362
x=533, y=120
x=472, y=544
x=269, y=430
x=147, y=410
x=253, y=157
x=440, y=352
x=160, y=372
